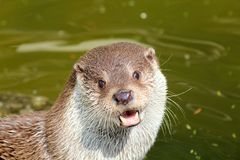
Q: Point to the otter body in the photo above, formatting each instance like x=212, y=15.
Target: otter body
x=23, y=137
x=111, y=109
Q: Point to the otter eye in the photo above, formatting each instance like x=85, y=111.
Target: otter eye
x=136, y=75
x=101, y=83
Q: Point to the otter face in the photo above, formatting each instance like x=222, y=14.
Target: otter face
x=118, y=80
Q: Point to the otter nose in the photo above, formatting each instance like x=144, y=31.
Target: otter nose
x=123, y=96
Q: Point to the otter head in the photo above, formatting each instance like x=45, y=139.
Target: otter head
x=116, y=82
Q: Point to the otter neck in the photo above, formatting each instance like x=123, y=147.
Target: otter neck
x=55, y=121
x=72, y=135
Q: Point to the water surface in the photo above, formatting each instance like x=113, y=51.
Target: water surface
x=197, y=43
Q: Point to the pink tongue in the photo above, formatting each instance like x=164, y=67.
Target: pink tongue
x=130, y=120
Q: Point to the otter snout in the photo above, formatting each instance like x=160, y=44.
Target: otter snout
x=123, y=97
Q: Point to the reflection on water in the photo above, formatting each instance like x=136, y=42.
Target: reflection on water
x=62, y=46
x=197, y=43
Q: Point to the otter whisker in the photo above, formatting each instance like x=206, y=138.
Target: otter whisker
x=179, y=94
x=176, y=105
x=166, y=61
x=166, y=124
x=172, y=115
x=163, y=127
x=169, y=123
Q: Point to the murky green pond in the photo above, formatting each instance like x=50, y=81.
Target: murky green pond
x=198, y=43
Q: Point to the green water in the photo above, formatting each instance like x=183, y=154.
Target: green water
x=198, y=43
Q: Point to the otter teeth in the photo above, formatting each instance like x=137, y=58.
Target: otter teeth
x=129, y=118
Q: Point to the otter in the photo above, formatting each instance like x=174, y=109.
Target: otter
x=111, y=108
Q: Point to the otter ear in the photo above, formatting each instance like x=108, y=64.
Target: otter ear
x=150, y=55
x=78, y=67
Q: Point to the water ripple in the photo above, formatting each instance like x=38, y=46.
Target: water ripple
x=195, y=47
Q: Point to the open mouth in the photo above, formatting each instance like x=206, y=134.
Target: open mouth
x=130, y=118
